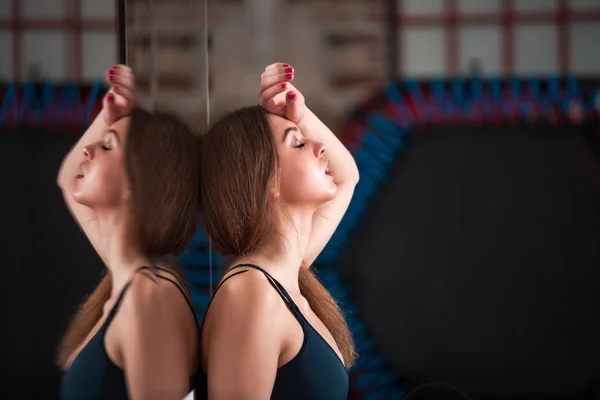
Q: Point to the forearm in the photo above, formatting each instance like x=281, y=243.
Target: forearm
x=340, y=160
x=70, y=165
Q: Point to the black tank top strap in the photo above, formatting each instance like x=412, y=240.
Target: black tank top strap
x=115, y=306
x=274, y=282
x=215, y=293
x=280, y=289
x=287, y=299
x=179, y=285
x=226, y=279
x=177, y=282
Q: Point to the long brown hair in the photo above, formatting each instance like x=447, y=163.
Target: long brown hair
x=161, y=163
x=239, y=167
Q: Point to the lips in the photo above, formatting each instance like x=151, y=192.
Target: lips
x=328, y=171
x=82, y=173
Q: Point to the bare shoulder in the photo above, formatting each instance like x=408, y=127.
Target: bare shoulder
x=243, y=337
x=246, y=296
x=151, y=300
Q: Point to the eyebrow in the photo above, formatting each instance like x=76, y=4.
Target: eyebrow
x=288, y=130
x=114, y=132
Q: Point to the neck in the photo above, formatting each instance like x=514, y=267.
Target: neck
x=282, y=256
x=121, y=254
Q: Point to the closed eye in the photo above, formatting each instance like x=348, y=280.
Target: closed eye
x=298, y=146
x=108, y=142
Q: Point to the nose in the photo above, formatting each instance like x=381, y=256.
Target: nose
x=88, y=152
x=319, y=149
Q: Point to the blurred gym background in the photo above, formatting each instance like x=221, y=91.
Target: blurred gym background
x=470, y=253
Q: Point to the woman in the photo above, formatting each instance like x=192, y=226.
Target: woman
x=275, y=184
x=131, y=182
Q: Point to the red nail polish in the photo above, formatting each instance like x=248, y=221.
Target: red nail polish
x=110, y=97
x=288, y=70
x=111, y=77
x=283, y=85
x=286, y=65
x=292, y=96
x=116, y=87
x=288, y=76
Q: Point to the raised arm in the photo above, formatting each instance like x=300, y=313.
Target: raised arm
x=117, y=102
x=329, y=215
x=279, y=96
x=70, y=167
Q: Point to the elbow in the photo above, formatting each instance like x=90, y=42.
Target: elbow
x=354, y=176
x=64, y=184
x=350, y=181
x=60, y=179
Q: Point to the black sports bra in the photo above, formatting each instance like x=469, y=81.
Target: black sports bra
x=315, y=373
x=93, y=375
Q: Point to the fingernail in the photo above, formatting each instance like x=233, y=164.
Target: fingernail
x=286, y=65
x=291, y=96
x=116, y=87
x=288, y=70
x=288, y=76
x=111, y=77
x=283, y=85
x=110, y=97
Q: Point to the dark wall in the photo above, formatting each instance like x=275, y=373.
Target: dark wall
x=478, y=262
x=48, y=264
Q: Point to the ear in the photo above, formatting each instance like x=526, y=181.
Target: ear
x=275, y=193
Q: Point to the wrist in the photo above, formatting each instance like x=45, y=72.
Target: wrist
x=307, y=119
x=105, y=117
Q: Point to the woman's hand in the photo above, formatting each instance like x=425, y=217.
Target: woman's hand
x=120, y=99
x=278, y=96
